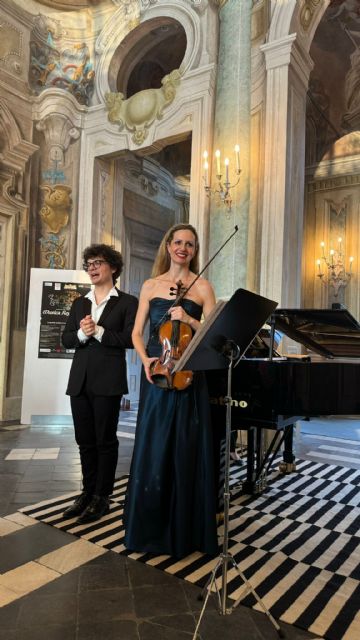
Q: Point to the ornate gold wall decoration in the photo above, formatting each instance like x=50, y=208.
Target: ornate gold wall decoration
x=307, y=13
x=53, y=251
x=56, y=210
x=138, y=112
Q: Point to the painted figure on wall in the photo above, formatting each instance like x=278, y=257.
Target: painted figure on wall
x=54, y=215
x=68, y=68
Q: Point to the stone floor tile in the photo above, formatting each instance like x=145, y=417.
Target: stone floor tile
x=29, y=543
x=110, y=630
x=49, y=632
x=21, y=518
x=157, y=601
x=103, y=605
x=6, y=526
x=9, y=616
x=142, y=575
x=54, y=609
x=6, y=595
x=66, y=583
x=27, y=578
x=150, y=631
x=71, y=556
x=185, y=622
x=109, y=574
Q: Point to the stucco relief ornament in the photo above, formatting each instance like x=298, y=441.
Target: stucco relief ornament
x=57, y=205
x=138, y=112
x=307, y=13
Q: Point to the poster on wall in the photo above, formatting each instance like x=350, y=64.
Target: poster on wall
x=56, y=301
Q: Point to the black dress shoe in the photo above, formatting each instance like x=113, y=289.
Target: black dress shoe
x=97, y=508
x=78, y=506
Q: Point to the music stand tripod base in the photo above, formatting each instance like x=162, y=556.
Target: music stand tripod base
x=225, y=559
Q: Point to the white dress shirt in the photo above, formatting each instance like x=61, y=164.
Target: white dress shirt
x=96, y=311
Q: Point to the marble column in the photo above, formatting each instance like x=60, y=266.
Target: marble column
x=232, y=126
x=287, y=70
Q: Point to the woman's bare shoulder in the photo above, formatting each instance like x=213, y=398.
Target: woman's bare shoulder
x=204, y=285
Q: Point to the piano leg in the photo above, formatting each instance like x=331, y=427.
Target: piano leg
x=255, y=476
x=288, y=465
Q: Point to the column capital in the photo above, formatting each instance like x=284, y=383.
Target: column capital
x=288, y=52
x=278, y=52
x=58, y=132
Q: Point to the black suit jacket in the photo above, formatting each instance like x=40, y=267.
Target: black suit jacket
x=101, y=364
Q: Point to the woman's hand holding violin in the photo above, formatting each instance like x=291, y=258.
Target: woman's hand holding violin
x=179, y=313
x=147, y=363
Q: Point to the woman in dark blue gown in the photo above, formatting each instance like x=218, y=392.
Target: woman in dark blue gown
x=170, y=504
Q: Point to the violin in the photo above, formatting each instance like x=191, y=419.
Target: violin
x=174, y=336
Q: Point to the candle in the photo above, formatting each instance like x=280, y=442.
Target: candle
x=351, y=259
x=226, y=170
x=318, y=262
x=217, y=156
x=322, y=245
x=206, y=172
x=237, y=157
x=332, y=255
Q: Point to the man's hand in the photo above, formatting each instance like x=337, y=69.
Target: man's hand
x=88, y=326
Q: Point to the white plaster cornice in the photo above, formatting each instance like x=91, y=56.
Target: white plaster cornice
x=17, y=151
x=278, y=52
x=19, y=14
x=57, y=102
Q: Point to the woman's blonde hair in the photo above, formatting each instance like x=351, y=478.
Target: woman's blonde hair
x=162, y=260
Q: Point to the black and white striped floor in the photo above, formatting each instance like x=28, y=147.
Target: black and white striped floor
x=298, y=544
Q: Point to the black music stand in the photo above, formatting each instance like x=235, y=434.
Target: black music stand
x=219, y=344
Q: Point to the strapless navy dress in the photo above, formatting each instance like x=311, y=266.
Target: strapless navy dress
x=170, y=505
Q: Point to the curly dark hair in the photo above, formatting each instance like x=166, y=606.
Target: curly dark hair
x=108, y=253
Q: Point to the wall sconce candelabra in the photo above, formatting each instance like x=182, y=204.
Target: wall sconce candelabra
x=223, y=187
x=335, y=273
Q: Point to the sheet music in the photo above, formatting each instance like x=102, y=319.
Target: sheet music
x=209, y=320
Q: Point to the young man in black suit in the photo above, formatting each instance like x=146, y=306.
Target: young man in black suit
x=99, y=328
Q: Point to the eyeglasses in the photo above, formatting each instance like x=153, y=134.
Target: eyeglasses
x=93, y=263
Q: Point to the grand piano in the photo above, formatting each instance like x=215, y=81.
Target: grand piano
x=273, y=392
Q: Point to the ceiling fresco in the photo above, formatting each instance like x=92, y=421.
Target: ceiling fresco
x=334, y=87
x=70, y=4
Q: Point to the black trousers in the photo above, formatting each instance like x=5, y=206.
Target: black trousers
x=95, y=421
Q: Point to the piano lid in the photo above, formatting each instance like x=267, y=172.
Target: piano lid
x=329, y=332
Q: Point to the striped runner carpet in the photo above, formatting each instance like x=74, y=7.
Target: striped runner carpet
x=298, y=544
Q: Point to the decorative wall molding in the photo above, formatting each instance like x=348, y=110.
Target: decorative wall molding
x=11, y=41
x=138, y=112
x=58, y=131
x=333, y=183
x=307, y=12
x=121, y=24
x=15, y=151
